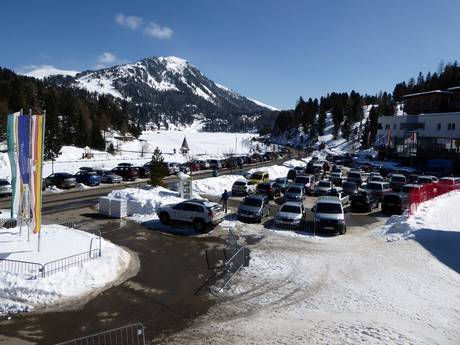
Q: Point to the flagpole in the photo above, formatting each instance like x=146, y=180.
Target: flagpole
x=21, y=197
x=41, y=178
x=27, y=186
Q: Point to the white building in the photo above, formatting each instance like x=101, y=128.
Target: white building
x=428, y=135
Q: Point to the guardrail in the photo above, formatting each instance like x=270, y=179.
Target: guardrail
x=133, y=334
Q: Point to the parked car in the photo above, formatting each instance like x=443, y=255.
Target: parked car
x=61, y=180
x=300, y=170
x=344, y=198
x=291, y=214
x=89, y=178
x=408, y=188
x=270, y=189
x=329, y=215
x=363, y=202
x=144, y=171
x=336, y=178
x=283, y=183
x=307, y=181
x=194, y=165
x=349, y=188
x=291, y=175
x=243, y=187
x=397, y=181
x=200, y=213
x=446, y=184
x=378, y=189
x=375, y=178
x=171, y=168
x=394, y=203
x=422, y=179
x=128, y=173
x=203, y=164
x=323, y=187
x=412, y=178
x=253, y=208
x=184, y=168
x=5, y=188
x=86, y=169
x=214, y=164
x=259, y=177
x=107, y=176
x=294, y=192
x=356, y=177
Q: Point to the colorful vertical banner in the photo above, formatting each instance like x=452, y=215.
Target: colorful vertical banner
x=24, y=146
x=12, y=142
x=37, y=136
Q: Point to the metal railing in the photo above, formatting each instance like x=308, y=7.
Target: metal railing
x=34, y=270
x=231, y=266
x=133, y=334
x=8, y=223
x=29, y=270
x=63, y=264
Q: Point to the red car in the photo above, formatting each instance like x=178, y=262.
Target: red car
x=126, y=171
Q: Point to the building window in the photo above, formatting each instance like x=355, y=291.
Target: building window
x=387, y=126
x=394, y=126
x=439, y=126
x=451, y=126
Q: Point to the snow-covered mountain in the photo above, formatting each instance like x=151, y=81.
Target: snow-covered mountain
x=168, y=88
x=46, y=71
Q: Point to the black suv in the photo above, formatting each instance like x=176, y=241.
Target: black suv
x=363, y=202
x=394, y=203
x=270, y=189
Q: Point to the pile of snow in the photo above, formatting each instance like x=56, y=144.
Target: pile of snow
x=438, y=214
x=215, y=185
x=17, y=293
x=292, y=163
x=274, y=171
x=150, y=198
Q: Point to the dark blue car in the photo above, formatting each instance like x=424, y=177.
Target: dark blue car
x=89, y=178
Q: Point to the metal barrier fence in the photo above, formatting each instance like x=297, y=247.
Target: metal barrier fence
x=427, y=192
x=8, y=223
x=34, y=270
x=133, y=334
x=68, y=262
x=29, y=270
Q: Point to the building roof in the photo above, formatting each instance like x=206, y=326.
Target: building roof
x=455, y=88
x=184, y=145
x=428, y=93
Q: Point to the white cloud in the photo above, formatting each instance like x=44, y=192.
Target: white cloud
x=158, y=31
x=129, y=21
x=106, y=57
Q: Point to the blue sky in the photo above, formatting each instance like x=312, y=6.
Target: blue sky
x=274, y=51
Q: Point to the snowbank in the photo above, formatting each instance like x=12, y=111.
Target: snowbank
x=215, y=185
x=294, y=163
x=17, y=293
x=438, y=214
x=274, y=171
x=149, y=198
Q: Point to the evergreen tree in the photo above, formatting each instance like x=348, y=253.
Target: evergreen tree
x=157, y=168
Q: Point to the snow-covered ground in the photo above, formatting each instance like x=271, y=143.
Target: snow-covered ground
x=203, y=145
x=358, y=288
x=17, y=293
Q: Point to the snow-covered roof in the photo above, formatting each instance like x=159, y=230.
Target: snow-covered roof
x=455, y=88
x=428, y=93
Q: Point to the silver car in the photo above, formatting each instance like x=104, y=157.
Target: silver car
x=108, y=176
x=295, y=192
x=290, y=215
x=323, y=187
x=5, y=188
x=253, y=208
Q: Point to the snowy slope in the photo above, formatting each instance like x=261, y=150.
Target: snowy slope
x=47, y=71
